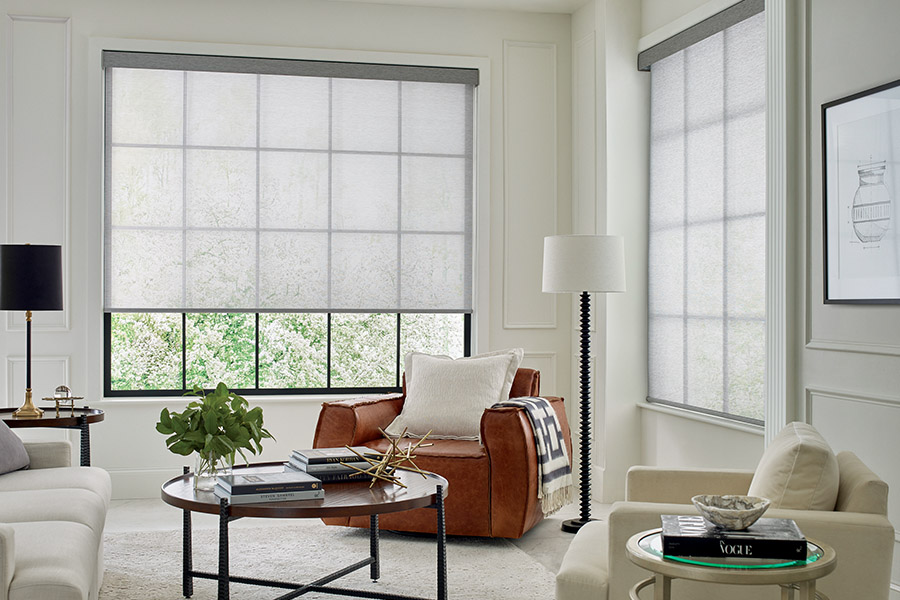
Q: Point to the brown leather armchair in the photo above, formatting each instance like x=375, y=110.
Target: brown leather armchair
x=493, y=485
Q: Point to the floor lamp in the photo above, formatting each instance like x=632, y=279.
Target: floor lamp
x=584, y=264
x=30, y=279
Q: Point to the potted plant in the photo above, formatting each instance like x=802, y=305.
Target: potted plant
x=215, y=427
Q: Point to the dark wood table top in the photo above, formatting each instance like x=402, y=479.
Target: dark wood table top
x=341, y=499
x=67, y=417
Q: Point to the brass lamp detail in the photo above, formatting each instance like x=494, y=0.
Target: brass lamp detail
x=30, y=279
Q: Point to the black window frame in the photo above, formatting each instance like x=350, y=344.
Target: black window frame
x=257, y=391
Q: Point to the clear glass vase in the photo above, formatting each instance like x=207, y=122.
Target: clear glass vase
x=207, y=467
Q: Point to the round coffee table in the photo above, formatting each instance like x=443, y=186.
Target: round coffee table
x=645, y=550
x=341, y=500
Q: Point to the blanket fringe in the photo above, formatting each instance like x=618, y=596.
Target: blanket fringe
x=555, y=500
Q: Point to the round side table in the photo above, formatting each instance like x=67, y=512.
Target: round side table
x=68, y=418
x=645, y=550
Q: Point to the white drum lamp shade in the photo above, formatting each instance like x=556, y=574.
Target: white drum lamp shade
x=584, y=263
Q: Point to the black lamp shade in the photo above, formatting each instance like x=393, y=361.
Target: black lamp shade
x=30, y=277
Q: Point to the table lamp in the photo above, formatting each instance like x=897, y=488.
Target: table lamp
x=30, y=279
x=585, y=264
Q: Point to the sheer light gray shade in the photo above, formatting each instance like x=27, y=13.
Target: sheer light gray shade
x=279, y=191
x=584, y=263
x=707, y=229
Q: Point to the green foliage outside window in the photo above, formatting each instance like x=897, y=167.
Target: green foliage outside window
x=293, y=353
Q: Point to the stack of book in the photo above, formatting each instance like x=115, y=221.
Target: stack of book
x=332, y=464
x=684, y=535
x=247, y=488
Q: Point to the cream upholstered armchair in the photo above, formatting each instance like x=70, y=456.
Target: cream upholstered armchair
x=595, y=566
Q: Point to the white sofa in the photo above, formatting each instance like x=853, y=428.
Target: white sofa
x=51, y=527
x=595, y=566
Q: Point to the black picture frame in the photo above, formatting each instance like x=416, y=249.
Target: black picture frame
x=861, y=197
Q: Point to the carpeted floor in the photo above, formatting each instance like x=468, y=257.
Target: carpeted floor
x=147, y=565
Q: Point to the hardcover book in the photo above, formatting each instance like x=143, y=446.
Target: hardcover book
x=688, y=535
x=340, y=476
x=268, y=483
x=317, y=456
x=315, y=494
x=317, y=469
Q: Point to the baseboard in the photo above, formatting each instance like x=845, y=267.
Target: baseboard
x=895, y=591
x=130, y=484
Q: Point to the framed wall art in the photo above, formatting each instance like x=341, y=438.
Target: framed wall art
x=861, y=190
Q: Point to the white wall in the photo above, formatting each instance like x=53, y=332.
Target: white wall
x=850, y=355
x=50, y=149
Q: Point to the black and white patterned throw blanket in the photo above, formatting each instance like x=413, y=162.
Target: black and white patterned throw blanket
x=555, y=472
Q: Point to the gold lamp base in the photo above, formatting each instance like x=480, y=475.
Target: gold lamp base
x=28, y=410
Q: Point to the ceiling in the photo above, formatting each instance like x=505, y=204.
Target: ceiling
x=545, y=6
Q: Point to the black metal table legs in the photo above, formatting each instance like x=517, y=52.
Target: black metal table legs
x=85, y=441
x=224, y=578
x=187, y=553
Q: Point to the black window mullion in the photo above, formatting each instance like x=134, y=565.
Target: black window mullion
x=256, y=353
x=184, y=351
x=328, y=354
x=398, y=352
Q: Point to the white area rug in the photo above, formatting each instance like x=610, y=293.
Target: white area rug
x=147, y=565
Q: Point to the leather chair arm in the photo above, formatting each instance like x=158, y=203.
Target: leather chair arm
x=509, y=442
x=354, y=421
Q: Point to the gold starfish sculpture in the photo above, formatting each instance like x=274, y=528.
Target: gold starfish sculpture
x=384, y=466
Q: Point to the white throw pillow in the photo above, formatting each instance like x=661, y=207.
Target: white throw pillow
x=798, y=470
x=448, y=396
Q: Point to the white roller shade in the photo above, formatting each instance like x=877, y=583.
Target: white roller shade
x=249, y=185
x=707, y=234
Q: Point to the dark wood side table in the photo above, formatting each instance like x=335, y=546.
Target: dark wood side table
x=78, y=418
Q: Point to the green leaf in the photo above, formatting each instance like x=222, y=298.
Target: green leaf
x=182, y=448
x=211, y=422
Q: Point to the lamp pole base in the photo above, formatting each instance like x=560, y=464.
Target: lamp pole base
x=28, y=410
x=573, y=525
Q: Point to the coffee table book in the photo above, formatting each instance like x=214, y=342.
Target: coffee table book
x=690, y=535
x=315, y=494
x=268, y=483
x=339, y=476
x=318, y=456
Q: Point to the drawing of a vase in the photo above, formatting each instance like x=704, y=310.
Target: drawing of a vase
x=871, y=203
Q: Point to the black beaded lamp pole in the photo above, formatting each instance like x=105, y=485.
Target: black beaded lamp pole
x=584, y=264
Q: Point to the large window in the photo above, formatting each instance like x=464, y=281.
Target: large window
x=283, y=225
x=707, y=289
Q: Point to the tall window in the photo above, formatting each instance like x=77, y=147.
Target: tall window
x=707, y=233
x=283, y=225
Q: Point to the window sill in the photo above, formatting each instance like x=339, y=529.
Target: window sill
x=708, y=419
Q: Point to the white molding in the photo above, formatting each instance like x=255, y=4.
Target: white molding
x=778, y=91
x=551, y=356
x=850, y=346
x=847, y=396
x=12, y=323
x=16, y=397
x=507, y=323
x=584, y=135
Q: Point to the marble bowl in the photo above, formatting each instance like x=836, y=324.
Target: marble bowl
x=730, y=511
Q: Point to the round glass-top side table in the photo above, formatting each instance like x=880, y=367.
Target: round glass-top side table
x=645, y=550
